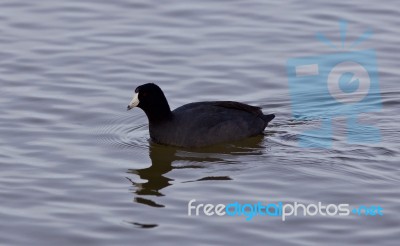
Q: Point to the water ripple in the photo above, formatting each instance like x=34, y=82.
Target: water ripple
x=78, y=168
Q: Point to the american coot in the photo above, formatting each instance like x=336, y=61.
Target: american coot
x=197, y=124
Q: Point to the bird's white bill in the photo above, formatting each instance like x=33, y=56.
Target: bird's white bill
x=134, y=102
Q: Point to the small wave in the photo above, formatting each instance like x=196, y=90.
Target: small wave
x=123, y=131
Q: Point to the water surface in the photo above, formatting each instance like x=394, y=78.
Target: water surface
x=77, y=169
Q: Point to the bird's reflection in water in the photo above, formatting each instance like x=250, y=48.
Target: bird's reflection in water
x=162, y=158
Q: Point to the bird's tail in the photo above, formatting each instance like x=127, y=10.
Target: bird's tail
x=267, y=118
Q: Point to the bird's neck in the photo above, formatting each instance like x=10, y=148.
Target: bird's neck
x=160, y=112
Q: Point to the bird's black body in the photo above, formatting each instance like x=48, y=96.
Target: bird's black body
x=201, y=123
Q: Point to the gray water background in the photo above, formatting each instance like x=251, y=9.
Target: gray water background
x=77, y=169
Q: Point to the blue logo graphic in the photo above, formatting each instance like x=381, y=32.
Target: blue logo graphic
x=338, y=84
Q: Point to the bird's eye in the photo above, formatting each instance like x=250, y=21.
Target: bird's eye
x=144, y=94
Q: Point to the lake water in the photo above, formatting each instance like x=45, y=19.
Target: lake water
x=78, y=169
